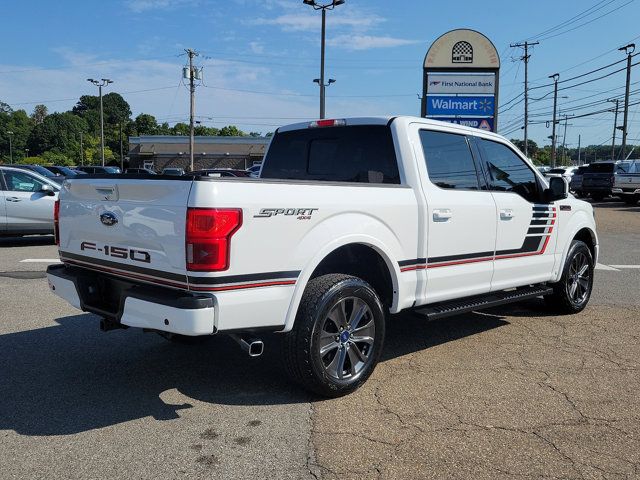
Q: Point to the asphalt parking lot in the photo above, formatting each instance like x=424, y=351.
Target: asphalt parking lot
x=508, y=393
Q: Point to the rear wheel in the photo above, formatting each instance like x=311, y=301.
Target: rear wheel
x=631, y=199
x=337, y=336
x=571, y=294
x=598, y=197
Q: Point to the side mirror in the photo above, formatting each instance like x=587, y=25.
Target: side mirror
x=48, y=190
x=558, y=189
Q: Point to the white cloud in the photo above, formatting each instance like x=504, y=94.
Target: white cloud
x=309, y=21
x=139, y=6
x=366, y=42
x=256, y=47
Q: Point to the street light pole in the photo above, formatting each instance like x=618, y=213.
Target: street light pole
x=10, y=148
x=555, y=78
x=320, y=81
x=628, y=49
x=102, y=83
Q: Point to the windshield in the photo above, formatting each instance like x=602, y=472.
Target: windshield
x=600, y=168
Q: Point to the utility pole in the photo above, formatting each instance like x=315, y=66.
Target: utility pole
x=579, y=152
x=525, y=58
x=555, y=78
x=564, y=141
x=102, y=83
x=121, y=154
x=628, y=49
x=192, y=105
x=10, y=148
x=320, y=81
x=615, y=127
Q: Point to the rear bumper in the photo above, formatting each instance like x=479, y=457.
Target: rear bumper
x=626, y=191
x=132, y=304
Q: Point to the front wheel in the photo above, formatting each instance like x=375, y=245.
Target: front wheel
x=630, y=199
x=337, y=336
x=571, y=294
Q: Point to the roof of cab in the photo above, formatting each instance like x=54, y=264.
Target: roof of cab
x=384, y=120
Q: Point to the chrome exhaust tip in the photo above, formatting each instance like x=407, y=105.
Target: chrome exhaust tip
x=253, y=346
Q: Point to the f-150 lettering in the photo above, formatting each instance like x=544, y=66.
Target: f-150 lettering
x=118, y=252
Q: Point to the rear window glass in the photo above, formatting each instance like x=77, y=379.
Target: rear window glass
x=600, y=168
x=359, y=153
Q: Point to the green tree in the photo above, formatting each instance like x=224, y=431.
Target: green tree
x=231, y=131
x=40, y=112
x=145, y=124
x=59, y=133
x=180, y=129
x=19, y=123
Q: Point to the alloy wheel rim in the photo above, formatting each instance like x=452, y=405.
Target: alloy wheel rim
x=579, y=279
x=346, y=339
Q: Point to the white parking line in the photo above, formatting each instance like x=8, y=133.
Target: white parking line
x=601, y=266
x=41, y=260
x=625, y=266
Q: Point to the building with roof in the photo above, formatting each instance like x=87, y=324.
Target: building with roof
x=162, y=151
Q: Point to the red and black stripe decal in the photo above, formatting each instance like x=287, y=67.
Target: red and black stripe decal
x=535, y=243
x=200, y=284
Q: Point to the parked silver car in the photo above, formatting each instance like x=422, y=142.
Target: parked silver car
x=26, y=202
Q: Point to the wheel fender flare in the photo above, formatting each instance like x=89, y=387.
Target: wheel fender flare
x=362, y=239
x=577, y=223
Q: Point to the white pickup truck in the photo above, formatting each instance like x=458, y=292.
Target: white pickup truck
x=350, y=221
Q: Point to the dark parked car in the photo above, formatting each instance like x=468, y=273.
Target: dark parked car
x=140, y=171
x=98, y=169
x=221, y=172
x=173, y=171
x=599, y=178
x=61, y=171
x=41, y=171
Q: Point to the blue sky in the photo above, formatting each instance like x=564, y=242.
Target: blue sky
x=260, y=57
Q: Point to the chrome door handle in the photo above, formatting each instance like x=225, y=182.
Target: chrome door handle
x=442, y=214
x=506, y=214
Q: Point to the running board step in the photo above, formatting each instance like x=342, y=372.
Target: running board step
x=480, y=302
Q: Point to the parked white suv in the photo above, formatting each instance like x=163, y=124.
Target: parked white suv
x=351, y=220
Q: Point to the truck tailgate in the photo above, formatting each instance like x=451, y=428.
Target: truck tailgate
x=128, y=227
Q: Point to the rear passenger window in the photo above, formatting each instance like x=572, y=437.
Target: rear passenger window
x=449, y=160
x=508, y=172
x=359, y=153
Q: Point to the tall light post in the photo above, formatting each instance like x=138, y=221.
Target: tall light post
x=320, y=81
x=628, y=49
x=10, y=148
x=103, y=82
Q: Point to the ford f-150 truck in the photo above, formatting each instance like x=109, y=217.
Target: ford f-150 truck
x=627, y=185
x=350, y=221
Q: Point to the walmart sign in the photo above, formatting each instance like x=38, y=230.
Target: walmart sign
x=442, y=105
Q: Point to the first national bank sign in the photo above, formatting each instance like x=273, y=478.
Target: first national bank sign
x=460, y=82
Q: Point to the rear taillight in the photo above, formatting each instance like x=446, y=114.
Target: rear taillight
x=208, y=237
x=328, y=123
x=56, y=221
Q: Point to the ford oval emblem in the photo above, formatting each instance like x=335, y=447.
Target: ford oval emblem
x=109, y=219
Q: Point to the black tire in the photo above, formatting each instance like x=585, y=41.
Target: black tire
x=598, y=197
x=630, y=199
x=321, y=302
x=564, y=298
